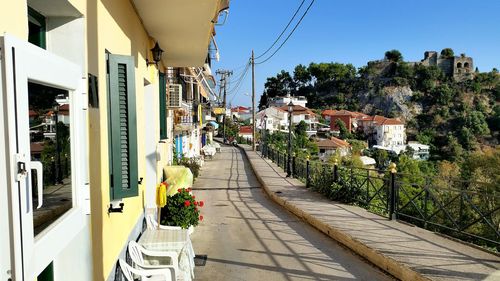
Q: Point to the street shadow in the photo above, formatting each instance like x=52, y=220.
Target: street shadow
x=321, y=258
x=400, y=241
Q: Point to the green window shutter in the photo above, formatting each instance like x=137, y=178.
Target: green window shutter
x=163, y=106
x=123, y=127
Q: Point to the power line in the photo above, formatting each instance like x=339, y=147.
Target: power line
x=282, y=32
x=239, y=80
x=289, y=35
x=239, y=85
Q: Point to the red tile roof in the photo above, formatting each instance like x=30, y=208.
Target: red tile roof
x=381, y=120
x=240, y=109
x=333, y=143
x=298, y=110
x=328, y=112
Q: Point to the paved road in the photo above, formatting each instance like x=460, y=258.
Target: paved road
x=246, y=236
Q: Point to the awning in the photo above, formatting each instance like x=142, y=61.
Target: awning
x=213, y=124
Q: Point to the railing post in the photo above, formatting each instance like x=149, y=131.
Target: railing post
x=336, y=171
x=307, y=172
x=392, y=196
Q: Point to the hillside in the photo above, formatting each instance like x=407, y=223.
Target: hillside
x=453, y=115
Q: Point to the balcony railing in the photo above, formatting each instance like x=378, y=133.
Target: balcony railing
x=467, y=210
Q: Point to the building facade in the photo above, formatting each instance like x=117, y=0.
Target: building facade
x=101, y=152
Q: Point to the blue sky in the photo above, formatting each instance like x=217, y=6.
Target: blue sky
x=354, y=32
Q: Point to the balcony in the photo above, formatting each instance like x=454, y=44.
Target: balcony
x=183, y=28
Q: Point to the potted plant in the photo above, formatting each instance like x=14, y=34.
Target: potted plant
x=182, y=210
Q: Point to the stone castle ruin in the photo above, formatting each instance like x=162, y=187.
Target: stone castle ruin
x=459, y=67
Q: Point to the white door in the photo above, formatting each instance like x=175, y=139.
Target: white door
x=40, y=94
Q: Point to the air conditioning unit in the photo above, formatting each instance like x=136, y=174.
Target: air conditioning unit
x=175, y=96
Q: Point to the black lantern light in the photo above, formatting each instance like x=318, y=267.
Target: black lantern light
x=157, y=52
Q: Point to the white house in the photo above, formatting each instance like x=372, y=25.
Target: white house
x=420, y=151
x=299, y=114
x=386, y=132
x=276, y=119
x=328, y=147
x=282, y=101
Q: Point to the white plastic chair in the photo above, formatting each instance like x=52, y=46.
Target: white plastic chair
x=153, y=259
x=129, y=272
x=152, y=224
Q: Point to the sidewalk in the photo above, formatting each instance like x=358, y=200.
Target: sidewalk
x=405, y=251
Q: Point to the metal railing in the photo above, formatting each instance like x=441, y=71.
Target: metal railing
x=467, y=210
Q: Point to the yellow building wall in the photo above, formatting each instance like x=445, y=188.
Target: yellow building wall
x=114, y=26
x=14, y=18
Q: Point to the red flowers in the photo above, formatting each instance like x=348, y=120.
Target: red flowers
x=179, y=190
x=201, y=203
x=201, y=217
x=189, y=190
x=187, y=203
x=195, y=203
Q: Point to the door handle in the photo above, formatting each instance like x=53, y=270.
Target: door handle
x=38, y=167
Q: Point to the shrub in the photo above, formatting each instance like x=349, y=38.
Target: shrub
x=182, y=210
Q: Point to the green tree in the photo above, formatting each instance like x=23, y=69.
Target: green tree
x=301, y=75
x=394, y=55
x=301, y=128
x=453, y=150
x=344, y=132
x=476, y=122
x=447, y=53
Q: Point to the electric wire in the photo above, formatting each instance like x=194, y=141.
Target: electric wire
x=236, y=90
x=240, y=79
x=282, y=32
x=289, y=35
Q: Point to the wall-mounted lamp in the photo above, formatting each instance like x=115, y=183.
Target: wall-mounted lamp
x=157, y=52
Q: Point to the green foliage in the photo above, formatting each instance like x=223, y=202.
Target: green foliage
x=394, y=55
x=465, y=110
x=357, y=146
x=301, y=128
x=181, y=210
x=344, y=132
x=447, y=53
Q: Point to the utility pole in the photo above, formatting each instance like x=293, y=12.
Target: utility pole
x=253, y=102
x=223, y=80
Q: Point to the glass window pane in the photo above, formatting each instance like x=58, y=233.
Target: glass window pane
x=50, y=144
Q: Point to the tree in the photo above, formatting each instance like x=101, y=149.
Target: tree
x=301, y=128
x=447, y=53
x=453, y=150
x=263, y=101
x=344, y=133
x=394, y=56
x=301, y=75
x=476, y=122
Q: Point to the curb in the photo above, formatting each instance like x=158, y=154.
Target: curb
x=387, y=264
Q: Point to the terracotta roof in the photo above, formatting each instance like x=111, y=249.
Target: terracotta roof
x=328, y=112
x=64, y=109
x=240, y=109
x=298, y=110
x=389, y=121
x=333, y=143
x=36, y=147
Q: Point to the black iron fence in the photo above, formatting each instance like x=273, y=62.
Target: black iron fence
x=467, y=210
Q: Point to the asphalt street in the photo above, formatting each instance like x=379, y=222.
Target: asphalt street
x=246, y=236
